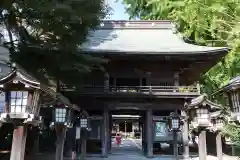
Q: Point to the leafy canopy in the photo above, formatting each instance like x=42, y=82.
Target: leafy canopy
x=45, y=36
x=211, y=22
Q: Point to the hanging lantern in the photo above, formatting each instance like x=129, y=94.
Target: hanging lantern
x=84, y=122
x=62, y=115
x=174, y=122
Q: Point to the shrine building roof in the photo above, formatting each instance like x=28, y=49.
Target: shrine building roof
x=233, y=84
x=142, y=37
x=4, y=55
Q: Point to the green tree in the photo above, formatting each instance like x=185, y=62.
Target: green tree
x=45, y=36
x=211, y=22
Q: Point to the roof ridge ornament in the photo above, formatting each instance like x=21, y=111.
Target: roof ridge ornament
x=136, y=24
x=174, y=28
x=13, y=66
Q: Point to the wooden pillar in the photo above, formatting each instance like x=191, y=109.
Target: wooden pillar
x=175, y=145
x=149, y=129
x=219, y=146
x=105, y=132
x=202, y=147
x=109, y=134
x=61, y=134
x=83, y=141
x=185, y=135
x=18, y=143
x=106, y=82
x=70, y=142
x=176, y=79
x=32, y=143
x=144, y=139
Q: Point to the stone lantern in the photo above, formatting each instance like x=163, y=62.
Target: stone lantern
x=199, y=110
x=233, y=92
x=83, y=132
x=218, y=123
x=200, y=116
x=20, y=98
x=174, y=123
x=62, y=116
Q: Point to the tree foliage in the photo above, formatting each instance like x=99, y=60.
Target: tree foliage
x=45, y=36
x=211, y=22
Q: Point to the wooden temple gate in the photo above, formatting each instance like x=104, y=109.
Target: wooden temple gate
x=156, y=75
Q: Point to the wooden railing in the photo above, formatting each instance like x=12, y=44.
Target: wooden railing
x=141, y=89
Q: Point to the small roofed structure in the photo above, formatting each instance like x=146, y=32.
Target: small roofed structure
x=19, y=85
x=19, y=75
x=202, y=100
x=232, y=85
x=232, y=92
x=200, y=109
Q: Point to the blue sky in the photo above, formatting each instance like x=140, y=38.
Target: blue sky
x=118, y=10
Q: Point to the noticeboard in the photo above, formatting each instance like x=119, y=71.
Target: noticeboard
x=161, y=129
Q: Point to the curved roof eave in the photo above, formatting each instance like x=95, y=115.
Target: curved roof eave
x=21, y=77
x=200, y=100
x=218, y=50
x=235, y=82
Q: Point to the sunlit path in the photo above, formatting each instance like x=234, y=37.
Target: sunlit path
x=128, y=146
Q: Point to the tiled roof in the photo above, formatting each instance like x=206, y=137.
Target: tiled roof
x=235, y=80
x=202, y=100
x=151, y=37
x=4, y=54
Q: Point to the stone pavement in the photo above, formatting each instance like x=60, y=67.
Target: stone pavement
x=131, y=157
x=130, y=149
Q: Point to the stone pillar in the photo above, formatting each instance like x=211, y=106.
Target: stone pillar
x=18, y=143
x=233, y=150
x=149, y=130
x=175, y=145
x=185, y=135
x=105, y=132
x=198, y=88
x=219, y=146
x=60, y=133
x=202, y=147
